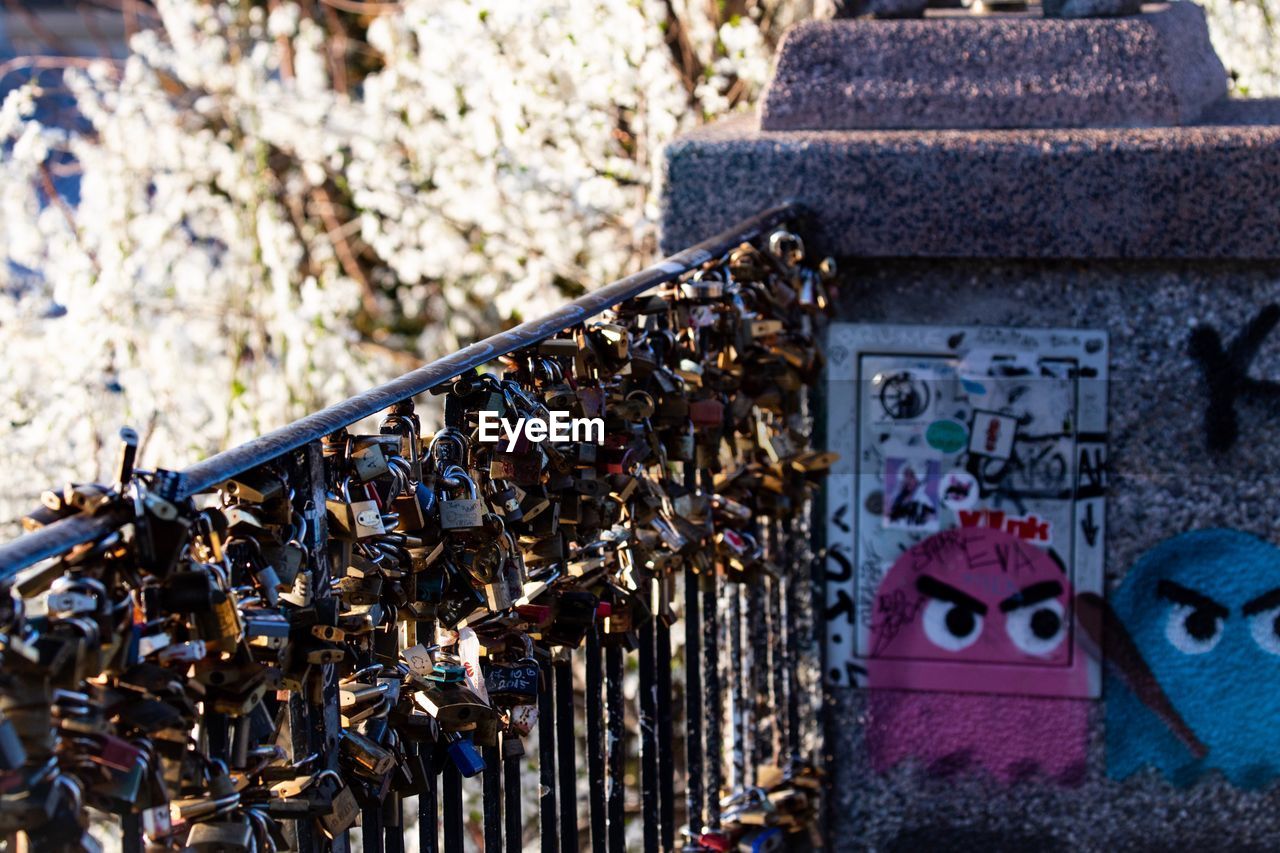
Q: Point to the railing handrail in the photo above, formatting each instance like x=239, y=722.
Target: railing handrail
x=62, y=535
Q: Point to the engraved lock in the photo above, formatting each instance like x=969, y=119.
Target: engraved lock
x=355, y=519
x=515, y=682
x=461, y=514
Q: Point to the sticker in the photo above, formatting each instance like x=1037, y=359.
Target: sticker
x=959, y=490
x=911, y=490
x=992, y=435
x=903, y=395
x=469, y=653
x=947, y=436
x=1029, y=528
x=419, y=659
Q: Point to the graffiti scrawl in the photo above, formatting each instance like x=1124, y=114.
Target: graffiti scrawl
x=1226, y=373
x=995, y=610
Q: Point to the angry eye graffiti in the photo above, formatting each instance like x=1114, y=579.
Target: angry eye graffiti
x=952, y=620
x=1201, y=613
x=1195, y=620
x=1037, y=629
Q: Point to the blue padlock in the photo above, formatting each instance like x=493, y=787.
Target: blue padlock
x=465, y=757
x=768, y=840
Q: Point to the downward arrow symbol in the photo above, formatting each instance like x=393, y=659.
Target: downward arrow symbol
x=1089, y=527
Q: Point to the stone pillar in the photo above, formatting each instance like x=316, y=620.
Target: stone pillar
x=1017, y=172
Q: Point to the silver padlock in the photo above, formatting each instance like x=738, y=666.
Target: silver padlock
x=461, y=513
x=355, y=519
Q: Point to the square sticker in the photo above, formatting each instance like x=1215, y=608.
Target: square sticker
x=992, y=435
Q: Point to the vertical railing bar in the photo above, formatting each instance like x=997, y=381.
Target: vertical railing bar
x=790, y=646
x=758, y=690
x=666, y=738
x=566, y=759
x=428, y=806
x=734, y=670
x=648, y=738
x=777, y=652
x=371, y=828
x=547, y=761
x=595, y=741
x=713, y=709
x=617, y=748
x=511, y=811
x=428, y=800
x=452, y=809
x=393, y=823
x=130, y=833
x=692, y=704
x=492, y=778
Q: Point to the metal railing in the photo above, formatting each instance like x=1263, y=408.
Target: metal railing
x=742, y=647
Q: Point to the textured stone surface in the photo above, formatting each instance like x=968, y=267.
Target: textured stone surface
x=1164, y=482
x=998, y=71
x=1208, y=191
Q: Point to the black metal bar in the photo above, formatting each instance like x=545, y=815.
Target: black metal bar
x=492, y=800
x=595, y=741
x=429, y=808
x=777, y=654
x=666, y=738
x=547, y=762
x=63, y=535
x=566, y=760
x=393, y=823
x=648, y=739
x=758, y=690
x=453, y=816
x=514, y=832
x=734, y=669
x=790, y=641
x=130, y=833
x=616, y=767
x=371, y=828
x=713, y=706
x=692, y=702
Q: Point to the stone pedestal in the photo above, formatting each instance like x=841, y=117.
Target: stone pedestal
x=1085, y=174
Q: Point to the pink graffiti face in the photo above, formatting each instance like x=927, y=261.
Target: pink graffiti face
x=973, y=595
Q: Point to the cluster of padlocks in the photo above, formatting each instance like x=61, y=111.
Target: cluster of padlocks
x=256, y=664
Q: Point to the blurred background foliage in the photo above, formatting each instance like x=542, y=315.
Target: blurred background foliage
x=217, y=215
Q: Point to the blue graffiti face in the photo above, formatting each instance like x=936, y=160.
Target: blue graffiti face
x=1203, y=608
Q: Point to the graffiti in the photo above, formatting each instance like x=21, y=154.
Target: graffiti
x=986, y=603
x=1226, y=373
x=1196, y=693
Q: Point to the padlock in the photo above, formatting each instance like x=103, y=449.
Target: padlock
x=368, y=459
x=515, y=682
x=461, y=514
x=767, y=840
x=354, y=519
x=464, y=756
